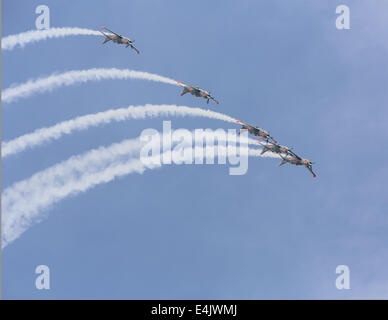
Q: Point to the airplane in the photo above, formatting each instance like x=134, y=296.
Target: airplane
x=119, y=39
x=256, y=131
x=298, y=161
x=196, y=91
x=276, y=148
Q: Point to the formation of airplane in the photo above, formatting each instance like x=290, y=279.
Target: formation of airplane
x=196, y=91
x=287, y=155
x=118, y=38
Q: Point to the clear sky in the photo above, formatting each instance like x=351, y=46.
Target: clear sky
x=195, y=232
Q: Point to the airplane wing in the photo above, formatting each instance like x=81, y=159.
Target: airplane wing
x=289, y=152
x=133, y=47
x=311, y=170
x=269, y=137
x=210, y=97
x=294, y=154
x=119, y=35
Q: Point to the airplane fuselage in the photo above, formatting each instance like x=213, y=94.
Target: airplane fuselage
x=276, y=148
x=256, y=131
x=296, y=161
x=119, y=40
x=197, y=92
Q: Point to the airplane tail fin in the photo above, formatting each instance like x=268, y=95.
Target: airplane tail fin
x=106, y=38
x=184, y=92
x=282, y=162
x=265, y=149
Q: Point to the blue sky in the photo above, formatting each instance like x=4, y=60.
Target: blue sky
x=194, y=232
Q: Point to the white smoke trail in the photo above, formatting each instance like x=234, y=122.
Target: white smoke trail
x=21, y=39
x=24, y=201
x=19, y=214
x=55, y=132
x=76, y=76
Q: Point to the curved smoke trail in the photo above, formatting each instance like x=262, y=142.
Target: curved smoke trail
x=24, y=201
x=21, y=39
x=55, y=132
x=77, y=76
x=18, y=215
